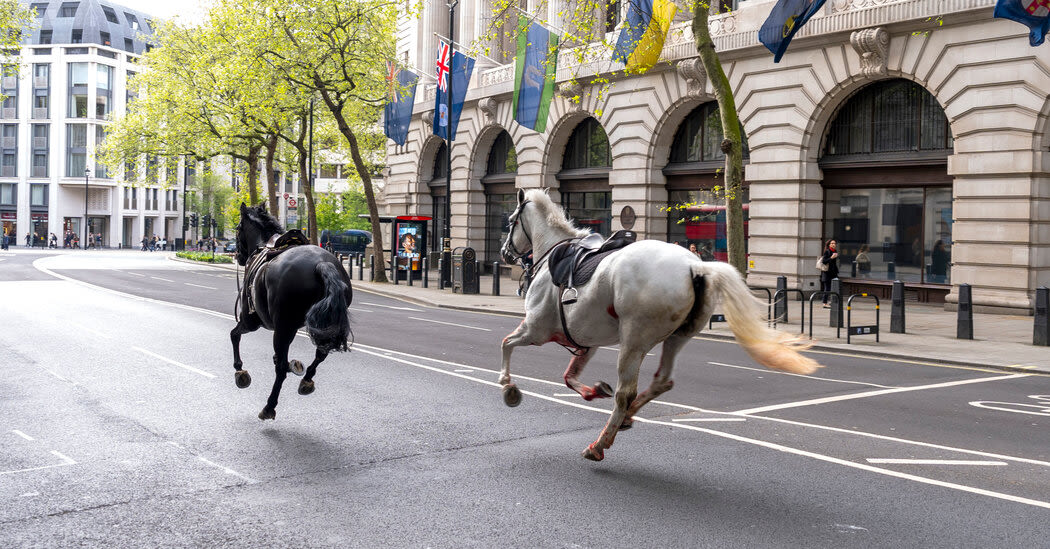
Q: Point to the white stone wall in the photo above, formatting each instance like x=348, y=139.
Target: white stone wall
x=990, y=82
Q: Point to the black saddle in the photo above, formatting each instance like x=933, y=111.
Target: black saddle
x=275, y=247
x=572, y=263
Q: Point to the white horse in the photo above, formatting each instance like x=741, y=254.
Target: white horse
x=647, y=293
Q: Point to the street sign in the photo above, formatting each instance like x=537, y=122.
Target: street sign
x=293, y=219
x=291, y=202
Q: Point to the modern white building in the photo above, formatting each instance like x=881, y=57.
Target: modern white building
x=72, y=80
x=914, y=132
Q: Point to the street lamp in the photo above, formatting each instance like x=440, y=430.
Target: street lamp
x=87, y=174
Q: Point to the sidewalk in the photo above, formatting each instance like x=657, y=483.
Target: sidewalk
x=1000, y=341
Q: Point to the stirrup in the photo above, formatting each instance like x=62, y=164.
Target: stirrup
x=566, y=299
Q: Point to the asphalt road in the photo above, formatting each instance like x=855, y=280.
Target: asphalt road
x=122, y=427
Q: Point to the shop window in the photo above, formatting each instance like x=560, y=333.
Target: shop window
x=895, y=116
x=699, y=217
x=588, y=147
x=591, y=210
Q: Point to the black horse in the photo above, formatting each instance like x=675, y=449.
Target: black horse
x=286, y=287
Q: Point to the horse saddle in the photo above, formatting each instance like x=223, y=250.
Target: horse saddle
x=573, y=263
x=277, y=245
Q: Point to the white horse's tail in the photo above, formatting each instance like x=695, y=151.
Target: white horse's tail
x=768, y=347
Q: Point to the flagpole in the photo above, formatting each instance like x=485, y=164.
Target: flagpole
x=545, y=23
x=446, y=248
x=453, y=42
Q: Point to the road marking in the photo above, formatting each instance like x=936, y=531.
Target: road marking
x=130, y=273
x=159, y=278
x=360, y=310
x=767, y=370
x=93, y=331
x=566, y=394
x=450, y=324
x=616, y=350
x=464, y=371
x=66, y=461
x=199, y=286
x=934, y=461
x=853, y=396
x=176, y=363
x=391, y=307
x=227, y=470
x=56, y=375
x=63, y=457
x=703, y=419
x=21, y=434
x=1040, y=409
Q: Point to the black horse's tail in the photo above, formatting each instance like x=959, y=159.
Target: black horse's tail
x=327, y=320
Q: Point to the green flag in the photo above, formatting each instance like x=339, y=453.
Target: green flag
x=535, y=69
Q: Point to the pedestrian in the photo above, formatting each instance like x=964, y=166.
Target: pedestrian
x=705, y=253
x=145, y=242
x=863, y=260
x=692, y=249
x=76, y=241
x=29, y=240
x=54, y=241
x=3, y=241
x=98, y=241
x=828, y=263
x=164, y=244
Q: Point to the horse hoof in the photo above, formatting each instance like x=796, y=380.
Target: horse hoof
x=242, y=379
x=511, y=395
x=593, y=454
x=268, y=413
x=306, y=387
x=602, y=390
x=296, y=367
x=627, y=424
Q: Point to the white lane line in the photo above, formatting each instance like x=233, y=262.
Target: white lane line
x=227, y=470
x=707, y=419
x=199, y=286
x=747, y=440
x=91, y=330
x=565, y=395
x=63, y=457
x=464, y=371
x=767, y=370
x=176, y=363
x=130, y=273
x=3, y=259
x=449, y=324
x=868, y=394
x=615, y=350
x=37, y=468
x=159, y=278
x=360, y=310
x=934, y=461
x=390, y=307
x=56, y=375
x=21, y=434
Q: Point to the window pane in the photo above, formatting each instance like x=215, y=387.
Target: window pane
x=589, y=210
x=938, y=235
x=698, y=217
x=77, y=135
x=713, y=135
x=78, y=74
x=879, y=230
x=7, y=193
x=76, y=163
x=105, y=77
x=598, y=148
x=38, y=195
x=934, y=124
x=498, y=208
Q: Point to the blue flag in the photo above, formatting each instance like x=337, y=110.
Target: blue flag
x=462, y=66
x=1035, y=14
x=784, y=21
x=397, y=114
x=534, y=72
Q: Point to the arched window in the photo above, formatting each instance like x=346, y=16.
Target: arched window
x=439, y=194
x=584, y=178
x=696, y=213
x=887, y=192
x=500, y=198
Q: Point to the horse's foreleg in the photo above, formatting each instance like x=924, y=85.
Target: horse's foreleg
x=282, y=339
x=572, y=381
x=661, y=380
x=306, y=386
x=240, y=376
x=511, y=393
x=626, y=390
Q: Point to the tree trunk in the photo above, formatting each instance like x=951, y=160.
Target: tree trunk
x=366, y=181
x=253, y=175
x=271, y=181
x=308, y=191
x=732, y=145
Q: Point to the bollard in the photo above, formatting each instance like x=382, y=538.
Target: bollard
x=371, y=268
x=835, y=318
x=393, y=270
x=495, y=278
x=897, y=308
x=891, y=269
x=426, y=272
x=964, y=329
x=477, y=273
x=441, y=271
x=360, y=268
x=780, y=307
x=409, y=273
x=1041, y=335
x=853, y=269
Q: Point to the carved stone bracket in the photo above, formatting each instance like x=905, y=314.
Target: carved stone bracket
x=872, y=45
x=694, y=73
x=488, y=107
x=573, y=93
x=428, y=120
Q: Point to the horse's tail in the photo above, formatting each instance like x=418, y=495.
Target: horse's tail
x=328, y=321
x=768, y=347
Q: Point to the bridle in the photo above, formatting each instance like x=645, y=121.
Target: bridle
x=518, y=254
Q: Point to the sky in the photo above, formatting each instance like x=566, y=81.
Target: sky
x=189, y=11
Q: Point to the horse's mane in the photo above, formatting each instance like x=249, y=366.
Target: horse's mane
x=268, y=224
x=553, y=213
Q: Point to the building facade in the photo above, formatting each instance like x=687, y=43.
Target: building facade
x=913, y=132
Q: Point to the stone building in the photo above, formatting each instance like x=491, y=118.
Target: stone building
x=913, y=132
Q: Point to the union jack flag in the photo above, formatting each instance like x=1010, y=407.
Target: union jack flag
x=391, y=79
x=443, y=62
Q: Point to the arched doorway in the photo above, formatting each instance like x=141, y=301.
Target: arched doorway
x=696, y=213
x=887, y=192
x=439, y=196
x=584, y=177
x=500, y=200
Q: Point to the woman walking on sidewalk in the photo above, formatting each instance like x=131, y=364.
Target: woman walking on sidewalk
x=830, y=270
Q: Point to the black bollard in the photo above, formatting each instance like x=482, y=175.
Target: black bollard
x=360, y=268
x=495, y=278
x=780, y=308
x=441, y=271
x=426, y=272
x=393, y=271
x=835, y=318
x=891, y=269
x=1041, y=333
x=371, y=268
x=897, y=310
x=409, y=273
x=965, y=324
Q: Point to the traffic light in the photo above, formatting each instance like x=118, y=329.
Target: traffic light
x=193, y=220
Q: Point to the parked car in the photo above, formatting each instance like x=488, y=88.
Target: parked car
x=230, y=247
x=345, y=242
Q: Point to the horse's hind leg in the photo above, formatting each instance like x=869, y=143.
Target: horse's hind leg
x=572, y=381
x=661, y=380
x=282, y=339
x=306, y=386
x=511, y=393
x=240, y=376
x=630, y=362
